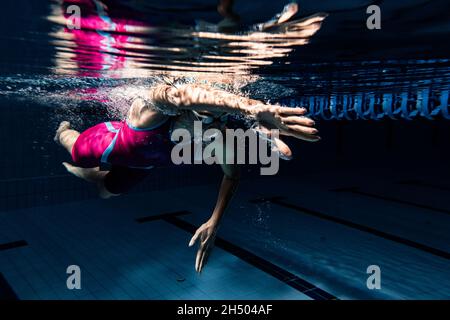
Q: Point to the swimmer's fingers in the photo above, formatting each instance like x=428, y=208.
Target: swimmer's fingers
x=200, y=252
x=199, y=260
x=203, y=252
x=296, y=131
x=305, y=121
x=277, y=144
x=300, y=135
x=303, y=132
x=288, y=121
x=194, y=237
x=206, y=232
x=308, y=21
x=302, y=129
x=273, y=116
x=282, y=148
x=299, y=127
x=275, y=112
x=288, y=111
x=204, y=259
x=289, y=11
x=203, y=232
x=205, y=249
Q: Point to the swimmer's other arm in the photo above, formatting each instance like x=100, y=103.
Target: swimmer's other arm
x=206, y=233
x=290, y=121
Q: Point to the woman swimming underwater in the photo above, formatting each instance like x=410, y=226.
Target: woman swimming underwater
x=129, y=148
x=117, y=155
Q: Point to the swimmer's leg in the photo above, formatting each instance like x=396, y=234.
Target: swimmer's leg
x=66, y=136
x=87, y=174
x=121, y=179
x=93, y=175
x=288, y=12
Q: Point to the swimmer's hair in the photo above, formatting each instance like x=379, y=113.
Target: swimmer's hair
x=169, y=81
x=172, y=81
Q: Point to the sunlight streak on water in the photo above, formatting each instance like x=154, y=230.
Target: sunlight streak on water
x=124, y=47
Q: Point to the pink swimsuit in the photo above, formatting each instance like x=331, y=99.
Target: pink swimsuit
x=119, y=144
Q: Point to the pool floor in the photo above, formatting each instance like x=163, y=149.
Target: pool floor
x=280, y=239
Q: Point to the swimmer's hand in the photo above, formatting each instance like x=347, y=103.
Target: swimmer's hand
x=290, y=121
x=207, y=233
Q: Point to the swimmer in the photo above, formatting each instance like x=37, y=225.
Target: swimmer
x=117, y=155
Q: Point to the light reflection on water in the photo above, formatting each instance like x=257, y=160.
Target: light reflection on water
x=125, y=47
x=116, y=56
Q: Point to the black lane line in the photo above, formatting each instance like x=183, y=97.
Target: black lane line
x=13, y=245
x=6, y=292
x=360, y=227
x=423, y=184
x=355, y=190
x=283, y=275
x=162, y=216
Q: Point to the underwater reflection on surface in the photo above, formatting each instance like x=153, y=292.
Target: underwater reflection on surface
x=121, y=47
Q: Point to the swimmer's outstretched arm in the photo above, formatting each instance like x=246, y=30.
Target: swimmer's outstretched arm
x=290, y=121
x=207, y=231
